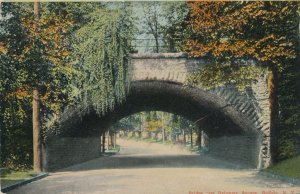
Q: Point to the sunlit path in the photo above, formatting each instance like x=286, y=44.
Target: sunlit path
x=154, y=168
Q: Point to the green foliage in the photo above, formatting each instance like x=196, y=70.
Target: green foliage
x=99, y=54
x=289, y=106
x=16, y=134
x=11, y=31
x=289, y=110
x=220, y=75
x=16, y=138
x=101, y=51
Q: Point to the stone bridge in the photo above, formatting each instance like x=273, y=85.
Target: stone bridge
x=238, y=124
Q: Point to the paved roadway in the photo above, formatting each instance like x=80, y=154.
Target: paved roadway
x=145, y=168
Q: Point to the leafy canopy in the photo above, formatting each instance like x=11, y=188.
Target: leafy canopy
x=230, y=33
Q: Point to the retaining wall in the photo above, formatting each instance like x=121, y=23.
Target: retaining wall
x=241, y=149
x=64, y=152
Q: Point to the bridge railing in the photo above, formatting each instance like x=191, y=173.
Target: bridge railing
x=159, y=45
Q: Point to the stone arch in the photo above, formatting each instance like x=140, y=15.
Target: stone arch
x=169, y=96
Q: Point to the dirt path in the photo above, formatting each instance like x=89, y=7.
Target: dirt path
x=142, y=168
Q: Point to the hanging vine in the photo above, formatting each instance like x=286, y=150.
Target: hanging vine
x=101, y=49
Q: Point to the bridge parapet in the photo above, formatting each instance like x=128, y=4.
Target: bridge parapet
x=173, y=67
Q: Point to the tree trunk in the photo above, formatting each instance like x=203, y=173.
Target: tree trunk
x=192, y=138
x=103, y=142
x=37, y=9
x=163, y=128
x=141, y=132
x=37, y=165
x=115, y=139
x=199, y=138
x=273, y=106
x=111, y=139
x=156, y=45
x=107, y=140
x=156, y=33
x=36, y=125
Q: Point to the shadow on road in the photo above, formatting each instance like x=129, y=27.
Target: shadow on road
x=161, y=161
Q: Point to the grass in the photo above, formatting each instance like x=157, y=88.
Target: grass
x=116, y=149
x=289, y=168
x=10, y=177
x=111, y=151
x=150, y=140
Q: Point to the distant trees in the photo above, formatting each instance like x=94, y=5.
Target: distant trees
x=163, y=123
x=164, y=22
x=152, y=16
x=174, y=29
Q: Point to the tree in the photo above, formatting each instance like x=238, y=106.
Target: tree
x=36, y=125
x=289, y=101
x=163, y=22
x=32, y=61
x=231, y=33
x=152, y=16
x=289, y=106
x=12, y=107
